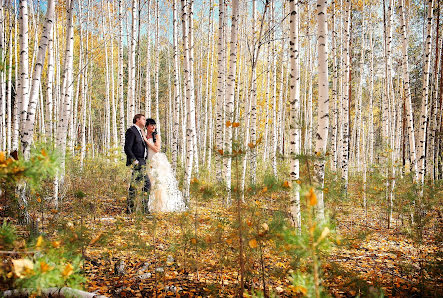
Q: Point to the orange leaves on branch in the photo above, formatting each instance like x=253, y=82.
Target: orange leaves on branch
x=228, y=123
x=220, y=151
x=235, y=124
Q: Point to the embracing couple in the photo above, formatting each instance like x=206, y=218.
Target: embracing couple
x=151, y=169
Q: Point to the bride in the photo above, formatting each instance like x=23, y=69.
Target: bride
x=165, y=195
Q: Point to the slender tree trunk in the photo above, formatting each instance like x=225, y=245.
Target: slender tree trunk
x=67, y=89
x=409, y=112
x=220, y=94
x=177, y=93
x=131, y=65
x=189, y=80
x=23, y=90
x=28, y=132
x=231, y=93
x=346, y=95
x=423, y=124
x=294, y=124
x=323, y=101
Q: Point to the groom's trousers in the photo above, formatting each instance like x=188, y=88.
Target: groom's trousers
x=139, y=181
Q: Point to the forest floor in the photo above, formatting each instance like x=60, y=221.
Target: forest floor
x=196, y=254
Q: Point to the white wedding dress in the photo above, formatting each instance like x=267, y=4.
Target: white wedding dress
x=164, y=195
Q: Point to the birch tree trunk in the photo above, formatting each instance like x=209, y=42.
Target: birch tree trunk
x=10, y=109
x=177, y=93
x=23, y=89
x=323, y=102
x=157, y=65
x=409, y=112
x=28, y=131
x=423, y=124
x=131, y=65
x=334, y=130
x=190, y=124
x=294, y=100
x=346, y=94
x=49, y=87
x=121, y=99
x=17, y=103
x=67, y=89
x=220, y=93
x=231, y=94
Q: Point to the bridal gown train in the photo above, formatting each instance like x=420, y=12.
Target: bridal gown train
x=164, y=195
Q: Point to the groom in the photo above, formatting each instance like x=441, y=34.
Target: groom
x=136, y=152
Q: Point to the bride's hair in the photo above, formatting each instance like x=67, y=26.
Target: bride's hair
x=151, y=121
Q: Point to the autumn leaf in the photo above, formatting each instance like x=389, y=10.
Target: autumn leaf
x=22, y=267
x=55, y=244
x=251, y=145
x=96, y=238
x=39, y=241
x=265, y=189
x=287, y=184
x=323, y=235
x=44, y=267
x=252, y=243
x=301, y=289
x=220, y=151
x=235, y=124
x=193, y=241
x=312, y=197
x=228, y=123
x=43, y=152
x=68, y=270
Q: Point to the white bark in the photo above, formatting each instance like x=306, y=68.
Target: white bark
x=220, y=93
x=423, y=124
x=28, y=131
x=230, y=93
x=323, y=101
x=409, y=111
x=177, y=93
x=23, y=90
x=345, y=94
x=131, y=65
x=294, y=100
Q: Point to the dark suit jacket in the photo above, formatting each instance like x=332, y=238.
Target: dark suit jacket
x=135, y=147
